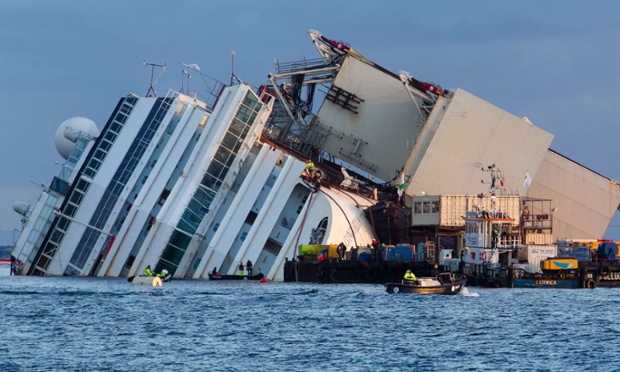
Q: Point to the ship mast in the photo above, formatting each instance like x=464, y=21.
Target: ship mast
x=151, y=92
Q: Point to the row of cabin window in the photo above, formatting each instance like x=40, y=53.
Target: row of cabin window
x=426, y=207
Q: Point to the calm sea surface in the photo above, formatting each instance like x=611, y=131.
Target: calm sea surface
x=86, y=324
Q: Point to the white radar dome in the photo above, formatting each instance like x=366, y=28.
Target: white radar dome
x=21, y=207
x=67, y=134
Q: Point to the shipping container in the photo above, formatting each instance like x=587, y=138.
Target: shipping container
x=565, y=251
x=332, y=250
x=559, y=264
x=543, y=239
x=403, y=252
x=448, y=210
x=537, y=253
x=309, y=250
x=316, y=249
x=581, y=253
x=400, y=252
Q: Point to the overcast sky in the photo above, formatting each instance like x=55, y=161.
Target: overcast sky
x=556, y=62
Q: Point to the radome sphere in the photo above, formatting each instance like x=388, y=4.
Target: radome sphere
x=67, y=133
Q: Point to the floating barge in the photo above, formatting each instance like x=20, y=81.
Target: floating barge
x=489, y=251
x=350, y=271
x=602, y=270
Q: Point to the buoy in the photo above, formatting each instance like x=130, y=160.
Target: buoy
x=147, y=280
x=264, y=280
x=605, y=270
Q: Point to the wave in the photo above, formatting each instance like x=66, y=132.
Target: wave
x=466, y=293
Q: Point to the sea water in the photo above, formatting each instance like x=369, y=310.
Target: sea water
x=88, y=324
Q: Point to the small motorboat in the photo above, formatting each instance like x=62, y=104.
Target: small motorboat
x=258, y=276
x=154, y=280
x=444, y=284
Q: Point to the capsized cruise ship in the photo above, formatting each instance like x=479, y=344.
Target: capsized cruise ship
x=188, y=186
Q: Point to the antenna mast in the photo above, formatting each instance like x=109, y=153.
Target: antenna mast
x=183, y=73
x=232, y=70
x=151, y=92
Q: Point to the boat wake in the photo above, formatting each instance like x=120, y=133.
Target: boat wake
x=465, y=292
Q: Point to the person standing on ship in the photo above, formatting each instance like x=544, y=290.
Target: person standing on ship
x=494, y=235
x=435, y=272
x=322, y=255
x=354, y=252
x=375, y=250
x=248, y=267
x=240, y=268
x=147, y=271
x=342, y=249
x=316, y=180
x=525, y=215
x=309, y=171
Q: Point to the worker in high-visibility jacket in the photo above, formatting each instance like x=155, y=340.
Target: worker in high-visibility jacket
x=409, y=276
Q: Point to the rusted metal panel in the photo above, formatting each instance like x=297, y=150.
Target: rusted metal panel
x=456, y=147
x=378, y=137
